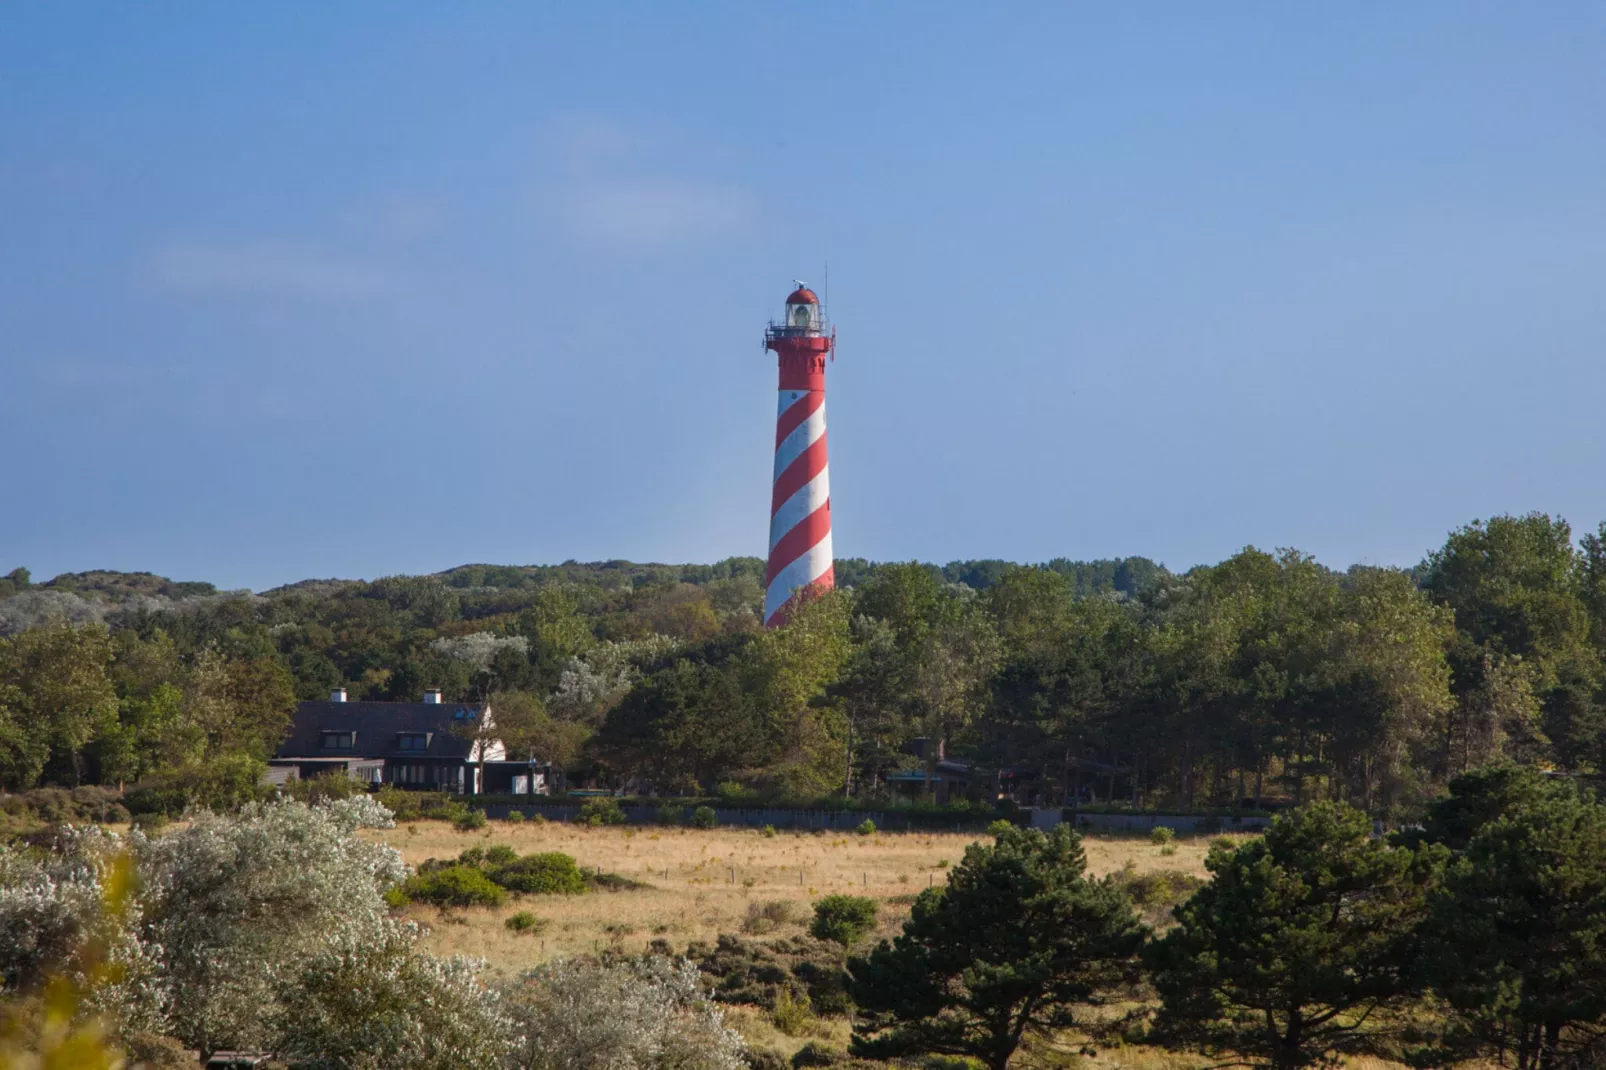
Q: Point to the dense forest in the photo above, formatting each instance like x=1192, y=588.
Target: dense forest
x=1265, y=679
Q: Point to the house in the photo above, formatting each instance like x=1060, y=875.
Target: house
x=944, y=781
x=421, y=746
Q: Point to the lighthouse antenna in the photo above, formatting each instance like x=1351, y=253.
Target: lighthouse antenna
x=825, y=303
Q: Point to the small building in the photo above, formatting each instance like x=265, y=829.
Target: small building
x=419, y=746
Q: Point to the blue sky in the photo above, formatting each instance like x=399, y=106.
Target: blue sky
x=355, y=289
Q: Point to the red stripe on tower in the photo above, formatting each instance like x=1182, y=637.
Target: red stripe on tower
x=800, y=559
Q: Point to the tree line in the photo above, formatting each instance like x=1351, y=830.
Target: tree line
x=1266, y=679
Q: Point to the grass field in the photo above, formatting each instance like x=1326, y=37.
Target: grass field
x=703, y=880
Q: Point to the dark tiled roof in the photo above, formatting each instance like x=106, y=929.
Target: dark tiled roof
x=379, y=727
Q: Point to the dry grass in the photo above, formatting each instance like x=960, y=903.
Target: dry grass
x=703, y=880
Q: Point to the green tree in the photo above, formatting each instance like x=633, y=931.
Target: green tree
x=56, y=696
x=1513, y=585
x=1296, y=943
x=1520, y=928
x=1483, y=796
x=1018, y=939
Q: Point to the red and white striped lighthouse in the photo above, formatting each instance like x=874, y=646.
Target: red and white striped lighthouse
x=800, y=499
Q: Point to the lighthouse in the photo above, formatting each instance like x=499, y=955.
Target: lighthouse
x=800, y=497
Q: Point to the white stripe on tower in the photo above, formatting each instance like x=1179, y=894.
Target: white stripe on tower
x=800, y=507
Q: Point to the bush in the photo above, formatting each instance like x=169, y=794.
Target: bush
x=650, y=1011
x=514, y=817
x=844, y=919
x=792, y=1013
x=500, y=855
x=325, y=787
x=733, y=794
x=525, y=922
x=704, y=817
x=406, y=805
x=601, y=811
x=768, y=832
x=470, y=821
x=866, y=828
x=367, y=1001
x=548, y=873
x=670, y=814
x=999, y=827
x=768, y=916
x=749, y=972
x=1162, y=836
x=454, y=886
x=1155, y=893
x=1223, y=843
x=816, y=1054
x=222, y=785
x=148, y=823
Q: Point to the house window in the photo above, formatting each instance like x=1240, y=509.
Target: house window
x=413, y=741
x=339, y=740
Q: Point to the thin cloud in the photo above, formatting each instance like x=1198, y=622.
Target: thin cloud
x=271, y=269
x=619, y=189
x=649, y=212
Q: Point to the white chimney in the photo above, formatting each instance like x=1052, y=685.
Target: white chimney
x=337, y=695
x=433, y=696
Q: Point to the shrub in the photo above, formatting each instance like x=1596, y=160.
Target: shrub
x=548, y=873
x=768, y=916
x=381, y=1001
x=792, y=1013
x=406, y=805
x=816, y=1054
x=325, y=787
x=601, y=811
x=999, y=827
x=650, y=1011
x=525, y=922
x=704, y=817
x=1223, y=843
x=263, y=891
x=749, y=972
x=765, y=1059
x=768, y=832
x=514, y=817
x=1162, y=836
x=866, y=828
x=844, y=919
x=225, y=784
x=454, y=886
x=732, y=793
x=470, y=821
x=1155, y=893
x=670, y=814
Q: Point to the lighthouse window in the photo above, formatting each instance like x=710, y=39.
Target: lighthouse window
x=800, y=315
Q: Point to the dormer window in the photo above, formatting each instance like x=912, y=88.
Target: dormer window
x=413, y=741
x=339, y=740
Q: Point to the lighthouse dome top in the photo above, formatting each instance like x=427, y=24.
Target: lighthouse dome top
x=802, y=296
